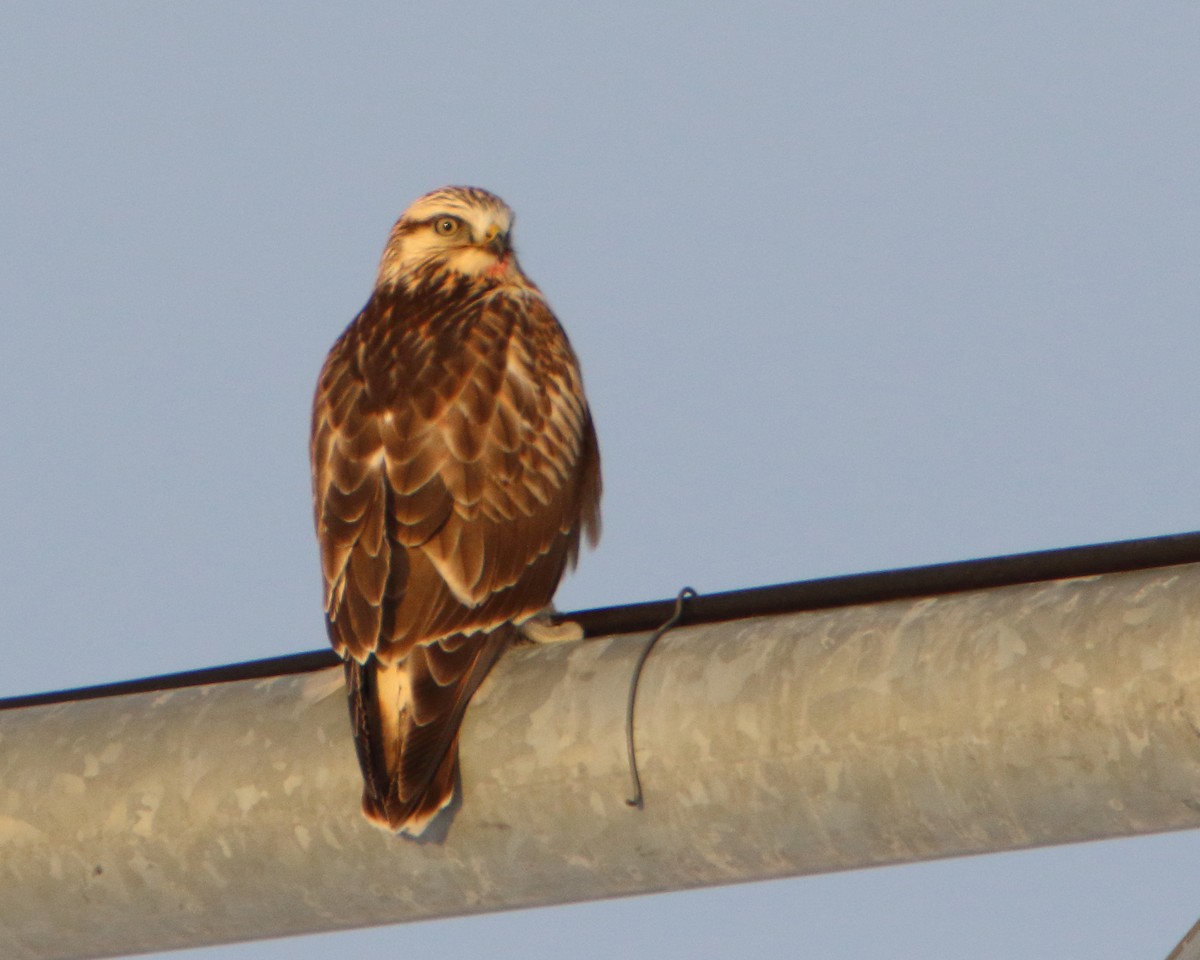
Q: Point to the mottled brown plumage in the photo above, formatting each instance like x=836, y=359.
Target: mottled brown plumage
x=455, y=468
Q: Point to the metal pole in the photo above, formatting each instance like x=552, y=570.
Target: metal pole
x=792, y=744
x=1189, y=947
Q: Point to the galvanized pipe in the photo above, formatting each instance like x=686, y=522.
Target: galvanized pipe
x=892, y=732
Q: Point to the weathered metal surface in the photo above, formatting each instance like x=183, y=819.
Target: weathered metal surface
x=900, y=731
x=1189, y=947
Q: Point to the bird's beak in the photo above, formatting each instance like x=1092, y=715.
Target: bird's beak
x=496, y=241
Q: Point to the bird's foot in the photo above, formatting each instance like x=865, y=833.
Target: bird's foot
x=543, y=628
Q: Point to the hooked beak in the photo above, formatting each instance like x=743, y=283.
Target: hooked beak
x=496, y=241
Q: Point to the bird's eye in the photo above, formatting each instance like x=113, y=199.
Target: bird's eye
x=447, y=226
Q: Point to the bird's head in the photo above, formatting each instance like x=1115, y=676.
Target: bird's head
x=451, y=232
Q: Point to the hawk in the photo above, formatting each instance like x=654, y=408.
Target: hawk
x=455, y=468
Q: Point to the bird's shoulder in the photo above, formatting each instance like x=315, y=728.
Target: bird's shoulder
x=418, y=347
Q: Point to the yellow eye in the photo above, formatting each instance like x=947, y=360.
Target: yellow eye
x=447, y=226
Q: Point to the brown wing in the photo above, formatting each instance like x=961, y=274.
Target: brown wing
x=455, y=467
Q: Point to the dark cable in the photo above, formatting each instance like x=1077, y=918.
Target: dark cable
x=673, y=620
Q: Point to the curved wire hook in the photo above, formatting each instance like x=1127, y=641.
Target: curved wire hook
x=673, y=620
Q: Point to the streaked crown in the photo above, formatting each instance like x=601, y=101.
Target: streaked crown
x=452, y=230
x=473, y=204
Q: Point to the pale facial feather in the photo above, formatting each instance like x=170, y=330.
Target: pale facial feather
x=415, y=246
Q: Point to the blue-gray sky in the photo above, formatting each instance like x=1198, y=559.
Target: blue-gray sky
x=854, y=287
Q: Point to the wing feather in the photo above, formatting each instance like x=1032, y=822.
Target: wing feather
x=455, y=470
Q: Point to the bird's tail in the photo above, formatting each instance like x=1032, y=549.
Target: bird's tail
x=406, y=717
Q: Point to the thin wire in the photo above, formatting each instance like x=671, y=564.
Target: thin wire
x=673, y=620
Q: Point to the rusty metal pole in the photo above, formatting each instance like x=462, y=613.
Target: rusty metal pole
x=792, y=744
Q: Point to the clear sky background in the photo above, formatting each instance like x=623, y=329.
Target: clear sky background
x=855, y=286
